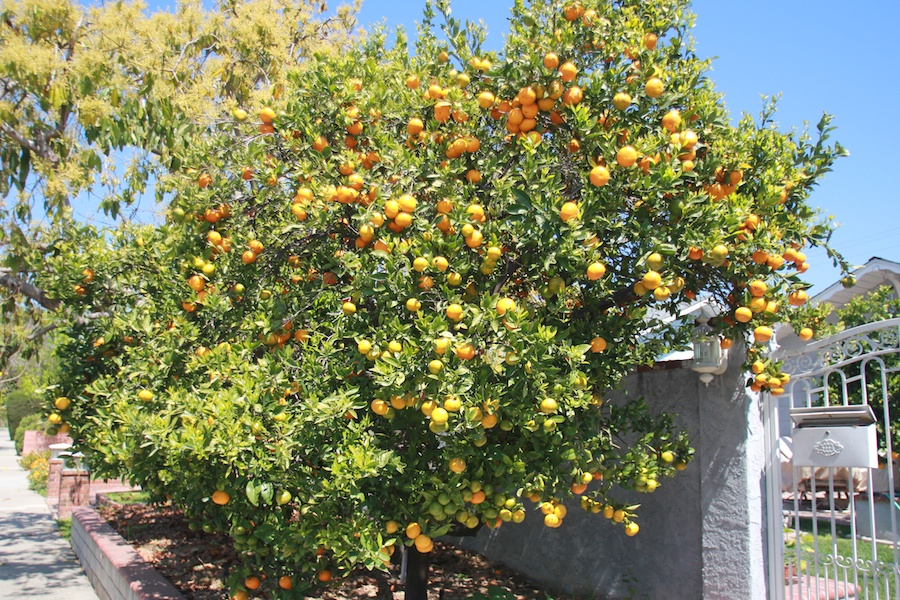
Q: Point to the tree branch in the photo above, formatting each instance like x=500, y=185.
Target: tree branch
x=18, y=137
x=9, y=281
x=38, y=146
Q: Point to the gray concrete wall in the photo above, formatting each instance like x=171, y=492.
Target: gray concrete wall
x=702, y=533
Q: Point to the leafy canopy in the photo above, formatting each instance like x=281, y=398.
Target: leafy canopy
x=396, y=304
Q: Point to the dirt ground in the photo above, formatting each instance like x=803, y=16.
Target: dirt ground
x=196, y=563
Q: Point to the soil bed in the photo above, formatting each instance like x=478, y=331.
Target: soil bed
x=197, y=562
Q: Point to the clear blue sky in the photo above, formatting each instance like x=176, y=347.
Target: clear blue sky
x=822, y=56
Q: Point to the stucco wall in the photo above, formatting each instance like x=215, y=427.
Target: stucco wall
x=702, y=533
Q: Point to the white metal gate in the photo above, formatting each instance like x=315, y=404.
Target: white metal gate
x=821, y=520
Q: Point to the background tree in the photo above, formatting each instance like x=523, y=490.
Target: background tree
x=104, y=98
x=394, y=304
x=878, y=305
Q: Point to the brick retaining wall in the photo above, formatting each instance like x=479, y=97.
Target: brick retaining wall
x=35, y=441
x=114, y=568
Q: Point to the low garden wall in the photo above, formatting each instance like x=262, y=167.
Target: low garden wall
x=702, y=533
x=36, y=441
x=114, y=568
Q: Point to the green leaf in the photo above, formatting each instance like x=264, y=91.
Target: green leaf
x=253, y=492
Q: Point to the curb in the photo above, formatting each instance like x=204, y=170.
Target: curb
x=113, y=567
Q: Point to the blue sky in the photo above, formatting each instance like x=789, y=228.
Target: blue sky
x=821, y=57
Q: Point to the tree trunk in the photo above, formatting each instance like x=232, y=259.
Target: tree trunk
x=416, y=575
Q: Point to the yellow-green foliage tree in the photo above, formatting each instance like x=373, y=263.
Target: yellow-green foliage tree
x=104, y=99
x=393, y=305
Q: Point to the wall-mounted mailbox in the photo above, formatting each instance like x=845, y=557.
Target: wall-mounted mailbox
x=834, y=436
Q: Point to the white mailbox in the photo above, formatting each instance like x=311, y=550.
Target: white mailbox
x=835, y=436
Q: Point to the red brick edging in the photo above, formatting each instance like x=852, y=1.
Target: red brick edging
x=114, y=568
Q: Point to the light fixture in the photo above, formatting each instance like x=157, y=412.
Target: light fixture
x=710, y=358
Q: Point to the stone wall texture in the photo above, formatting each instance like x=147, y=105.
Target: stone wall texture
x=702, y=533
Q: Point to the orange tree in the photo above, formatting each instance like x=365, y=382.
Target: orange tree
x=394, y=307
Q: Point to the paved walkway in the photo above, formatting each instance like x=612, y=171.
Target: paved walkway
x=35, y=562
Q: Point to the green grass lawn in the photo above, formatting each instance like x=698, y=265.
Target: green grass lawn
x=139, y=497
x=883, y=552
x=65, y=528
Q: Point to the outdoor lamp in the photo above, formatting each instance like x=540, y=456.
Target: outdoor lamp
x=709, y=357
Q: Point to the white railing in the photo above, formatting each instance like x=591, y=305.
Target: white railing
x=811, y=552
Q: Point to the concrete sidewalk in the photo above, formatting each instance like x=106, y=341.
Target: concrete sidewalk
x=35, y=562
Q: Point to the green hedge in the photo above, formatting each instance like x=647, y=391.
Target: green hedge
x=30, y=422
x=20, y=404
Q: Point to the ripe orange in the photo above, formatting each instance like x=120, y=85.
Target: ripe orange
x=407, y=203
x=651, y=280
x=221, y=498
x=465, y=351
x=415, y=126
x=267, y=115
x=762, y=334
x=595, y=271
x=442, y=112
x=505, y=305
x=423, y=543
x=568, y=211
x=324, y=576
x=551, y=60
x=413, y=530
x=626, y=156
x=631, y=529
x=672, y=120
x=798, y=298
x=598, y=344
x=486, y=100
x=573, y=95
x=457, y=465
x=599, y=175
x=775, y=261
x=568, y=71
x=622, y=100
x=805, y=334
x=252, y=583
x=743, y=314
x=196, y=283
x=650, y=40
x=285, y=582
x=454, y=312
x=758, y=288
x=474, y=240
x=654, y=87
x=204, y=180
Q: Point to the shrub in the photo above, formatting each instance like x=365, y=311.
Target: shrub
x=38, y=465
x=20, y=404
x=30, y=422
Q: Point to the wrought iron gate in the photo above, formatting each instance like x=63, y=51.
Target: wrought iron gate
x=833, y=533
